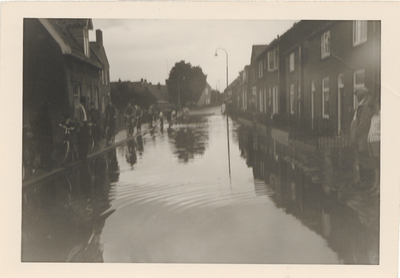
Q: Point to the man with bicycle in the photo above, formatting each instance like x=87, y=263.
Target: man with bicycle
x=130, y=114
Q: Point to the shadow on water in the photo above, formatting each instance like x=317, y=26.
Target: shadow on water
x=63, y=217
x=311, y=195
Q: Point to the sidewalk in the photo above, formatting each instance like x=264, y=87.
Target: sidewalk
x=120, y=138
x=332, y=170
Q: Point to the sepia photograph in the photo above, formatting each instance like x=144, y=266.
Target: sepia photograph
x=223, y=141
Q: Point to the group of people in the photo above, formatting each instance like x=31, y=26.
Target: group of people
x=133, y=117
x=365, y=134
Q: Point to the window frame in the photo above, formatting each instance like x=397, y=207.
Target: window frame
x=291, y=62
x=312, y=103
x=325, y=90
x=291, y=98
x=357, y=86
x=326, y=44
x=358, y=32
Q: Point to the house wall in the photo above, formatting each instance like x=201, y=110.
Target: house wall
x=44, y=74
x=345, y=59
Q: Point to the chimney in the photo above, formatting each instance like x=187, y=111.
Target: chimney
x=99, y=36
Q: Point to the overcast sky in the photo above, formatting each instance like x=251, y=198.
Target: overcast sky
x=148, y=49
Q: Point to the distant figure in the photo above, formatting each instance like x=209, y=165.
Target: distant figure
x=153, y=111
x=110, y=120
x=374, y=144
x=95, y=120
x=359, y=134
x=72, y=138
x=44, y=136
x=82, y=132
x=161, y=116
x=139, y=114
x=223, y=108
x=173, y=118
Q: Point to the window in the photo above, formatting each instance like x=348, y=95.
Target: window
x=275, y=102
x=206, y=91
x=359, y=82
x=325, y=98
x=260, y=101
x=265, y=100
x=244, y=99
x=340, y=96
x=76, y=90
x=273, y=60
x=291, y=62
x=291, y=99
x=359, y=32
x=312, y=103
x=298, y=98
x=86, y=47
x=325, y=45
x=260, y=69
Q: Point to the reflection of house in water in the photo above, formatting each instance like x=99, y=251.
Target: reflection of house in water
x=69, y=227
x=300, y=192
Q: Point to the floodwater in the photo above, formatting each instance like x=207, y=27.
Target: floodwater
x=176, y=196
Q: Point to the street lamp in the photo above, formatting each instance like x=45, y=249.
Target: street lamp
x=179, y=93
x=227, y=84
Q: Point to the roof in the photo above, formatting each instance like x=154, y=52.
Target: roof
x=62, y=31
x=256, y=50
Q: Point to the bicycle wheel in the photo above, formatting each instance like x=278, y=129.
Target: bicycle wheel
x=91, y=142
x=63, y=153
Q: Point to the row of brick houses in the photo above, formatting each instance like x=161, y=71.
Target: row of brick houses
x=304, y=80
x=60, y=65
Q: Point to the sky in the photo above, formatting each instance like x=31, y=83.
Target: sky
x=149, y=48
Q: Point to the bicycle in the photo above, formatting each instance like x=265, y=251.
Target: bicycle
x=65, y=148
x=110, y=135
x=91, y=141
x=130, y=124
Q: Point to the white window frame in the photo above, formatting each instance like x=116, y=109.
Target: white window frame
x=312, y=103
x=245, y=99
x=325, y=90
x=265, y=100
x=291, y=98
x=86, y=47
x=360, y=32
x=275, y=100
x=260, y=101
x=273, y=60
x=260, y=69
x=326, y=44
x=357, y=86
x=291, y=62
x=339, y=97
x=76, y=91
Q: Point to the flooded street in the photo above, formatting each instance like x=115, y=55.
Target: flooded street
x=176, y=196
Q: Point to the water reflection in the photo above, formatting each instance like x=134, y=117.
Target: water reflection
x=188, y=140
x=310, y=193
x=63, y=217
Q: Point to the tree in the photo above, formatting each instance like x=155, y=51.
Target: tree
x=186, y=83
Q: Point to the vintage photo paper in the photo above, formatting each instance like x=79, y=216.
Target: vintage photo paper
x=263, y=171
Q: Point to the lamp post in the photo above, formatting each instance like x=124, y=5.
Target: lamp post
x=227, y=84
x=227, y=121
x=179, y=93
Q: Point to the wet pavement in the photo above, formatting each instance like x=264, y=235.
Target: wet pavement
x=175, y=196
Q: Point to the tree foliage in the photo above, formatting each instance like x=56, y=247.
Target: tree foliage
x=124, y=92
x=186, y=82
